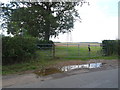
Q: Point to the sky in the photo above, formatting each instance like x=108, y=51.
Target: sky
x=99, y=22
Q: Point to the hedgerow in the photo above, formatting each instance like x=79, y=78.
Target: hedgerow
x=110, y=47
x=17, y=49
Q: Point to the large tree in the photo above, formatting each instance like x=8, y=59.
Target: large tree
x=40, y=19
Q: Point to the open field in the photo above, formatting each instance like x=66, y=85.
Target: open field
x=77, y=51
x=76, y=44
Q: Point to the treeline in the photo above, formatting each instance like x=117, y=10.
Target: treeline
x=19, y=49
x=111, y=47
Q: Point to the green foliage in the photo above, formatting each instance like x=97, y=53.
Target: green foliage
x=40, y=19
x=44, y=42
x=110, y=47
x=17, y=49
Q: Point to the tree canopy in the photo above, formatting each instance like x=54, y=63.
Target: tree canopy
x=40, y=19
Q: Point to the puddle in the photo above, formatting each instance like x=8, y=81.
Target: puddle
x=50, y=71
x=72, y=67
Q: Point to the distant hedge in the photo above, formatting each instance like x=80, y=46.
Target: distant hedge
x=110, y=47
x=17, y=49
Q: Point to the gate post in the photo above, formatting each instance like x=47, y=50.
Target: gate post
x=53, y=50
x=89, y=49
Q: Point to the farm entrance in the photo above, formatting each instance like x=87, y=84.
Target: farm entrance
x=70, y=50
x=77, y=50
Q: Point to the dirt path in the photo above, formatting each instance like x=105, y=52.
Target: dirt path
x=10, y=80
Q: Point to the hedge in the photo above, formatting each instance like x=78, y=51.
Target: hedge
x=110, y=47
x=17, y=49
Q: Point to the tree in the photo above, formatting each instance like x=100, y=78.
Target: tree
x=40, y=19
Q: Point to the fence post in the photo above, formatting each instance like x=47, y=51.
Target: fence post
x=67, y=50
x=78, y=49
x=53, y=51
x=89, y=49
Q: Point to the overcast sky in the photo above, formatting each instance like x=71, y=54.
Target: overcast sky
x=99, y=22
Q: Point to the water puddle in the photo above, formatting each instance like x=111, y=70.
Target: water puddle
x=50, y=71
x=72, y=67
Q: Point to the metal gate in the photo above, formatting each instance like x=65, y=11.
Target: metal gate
x=77, y=50
x=70, y=50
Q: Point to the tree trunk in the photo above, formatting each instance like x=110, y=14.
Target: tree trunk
x=47, y=27
x=47, y=35
x=47, y=30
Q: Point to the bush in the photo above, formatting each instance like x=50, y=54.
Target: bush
x=110, y=47
x=17, y=49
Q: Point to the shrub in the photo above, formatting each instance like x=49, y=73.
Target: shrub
x=110, y=47
x=17, y=49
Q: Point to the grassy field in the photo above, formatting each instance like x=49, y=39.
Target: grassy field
x=63, y=52
x=77, y=52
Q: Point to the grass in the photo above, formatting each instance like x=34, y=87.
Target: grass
x=77, y=52
x=81, y=53
x=26, y=66
x=62, y=53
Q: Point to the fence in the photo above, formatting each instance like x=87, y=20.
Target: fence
x=46, y=50
x=77, y=50
x=71, y=50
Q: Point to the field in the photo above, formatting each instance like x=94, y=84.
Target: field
x=78, y=50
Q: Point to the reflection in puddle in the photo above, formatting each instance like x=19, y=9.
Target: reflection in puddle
x=50, y=71
x=72, y=67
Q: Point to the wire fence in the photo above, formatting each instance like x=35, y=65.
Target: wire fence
x=78, y=50
x=70, y=50
x=46, y=50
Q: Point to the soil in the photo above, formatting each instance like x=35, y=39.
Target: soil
x=29, y=76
